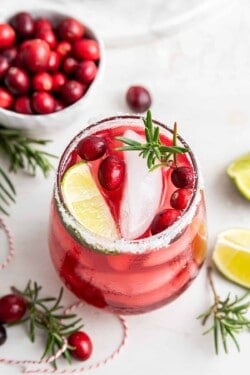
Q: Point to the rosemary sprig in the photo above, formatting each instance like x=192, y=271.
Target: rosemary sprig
x=228, y=317
x=156, y=153
x=22, y=153
x=46, y=314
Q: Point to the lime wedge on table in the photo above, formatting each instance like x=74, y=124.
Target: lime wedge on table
x=86, y=203
x=239, y=171
x=232, y=255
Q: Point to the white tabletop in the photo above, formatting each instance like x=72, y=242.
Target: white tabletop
x=198, y=71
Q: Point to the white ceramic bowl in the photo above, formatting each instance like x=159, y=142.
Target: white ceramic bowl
x=42, y=124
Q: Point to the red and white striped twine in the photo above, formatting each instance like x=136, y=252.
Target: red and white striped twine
x=71, y=370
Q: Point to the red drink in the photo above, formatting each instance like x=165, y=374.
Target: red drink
x=128, y=268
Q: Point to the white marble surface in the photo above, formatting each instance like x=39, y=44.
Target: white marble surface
x=199, y=76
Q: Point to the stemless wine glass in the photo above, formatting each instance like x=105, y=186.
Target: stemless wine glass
x=127, y=276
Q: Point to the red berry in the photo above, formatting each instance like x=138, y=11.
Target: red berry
x=59, y=105
x=48, y=36
x=7, y=35
x=10, y=53
x=91, y=147
x=70, y=29
x=12, y=308
x=182, y=177
x=180, y=198
x=82, y=345
x=43, y=102
x=42, y=24
x=58, y=80
x=23, y=23
x=17, y=81
x=111, y=172
x=4, y=66
x=72, y=91
x=86, y=49
x=6, y=99
x=34, y=55
x=138, y=98
x=164, y=219
x=63, y=48
x=86, y=71
x=23, y=105
x=54, y=62
x=3, y=335
x=69, y=65
x=42, y=81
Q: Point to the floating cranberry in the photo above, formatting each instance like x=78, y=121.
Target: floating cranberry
x=6, y=99
x=10, y=53
x=180, y=198
x=82, y=345
x=164, y=219
x=91, y=148
x=72, y=91
x=4, y=66
x=3, y=335
x=23, y=105
x=69, y=65
x=17, y=81
x=48, y=36
x=86, y=49
x=86, y=71
x=111, y=172
x=138, y=98
x=63, y=48
x=35, y=54
x=58, y=80
x=23, y=23
x=12, y=308
x=42, y=81
x=42, y=24
x=7, y=35
x=43, y=102
x=70, y=29
x=182, y=177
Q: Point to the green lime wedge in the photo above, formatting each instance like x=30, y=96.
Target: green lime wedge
x=239, y=171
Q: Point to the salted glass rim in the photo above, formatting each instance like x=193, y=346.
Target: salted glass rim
x=99, y=243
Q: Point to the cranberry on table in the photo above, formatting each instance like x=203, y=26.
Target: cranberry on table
x=58, y=80
x=42, y=24
x=138, y=98
x=42, y=81
x=43, y=102
x=12, y=308
x=164, y=219
x=7, y=35
x=35, y=54
x=6, y=98
x=71, y=91
x=10, y=53
x=17, y=81
x=23, y=23
x=180, y=198
x=86, y=49
x=23, y=105
x=111, y=172
x=82, y=345
x=4, y=66
x=3, y=334
x=54, y=62
x=70, y=29
x=63, y=48
x=86, y=71
x=48, y=36
x=91, y=147
x=182, y=177
x=69, y=65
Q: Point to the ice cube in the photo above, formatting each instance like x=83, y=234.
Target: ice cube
x=142, y=193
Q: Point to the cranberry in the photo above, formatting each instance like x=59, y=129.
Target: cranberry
x=12, y=308
x=86, y=49
x=69, y=65
x=3, y=335
x=86, y=71
x=70, y=29
x=180, y=198
x=7, y=35
x=164, y=219
x=58, y=105
x=35, y=54
x=6, y=99
x=42, y=24
x=23, y=23
x=111, y=172
x=64, y=48
x=23, y=105
x=54, y=62
x=4, y=66
x=48, y=36
x=58, y=80
x=72, y=91
x=17, y=81
x=42, y=81
x=182, y=177
x=82, y=345
x=91, y=147
x=43, y=102
x=10, y=53
x=138, y=98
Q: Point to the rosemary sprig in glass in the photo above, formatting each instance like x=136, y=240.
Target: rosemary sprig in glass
x=22, y=154
x=228, y=317
x=46, y=314
x=156, y=153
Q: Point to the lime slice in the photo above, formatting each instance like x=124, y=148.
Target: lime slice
x=239, y=171
x=232, y=255
x=86, y=203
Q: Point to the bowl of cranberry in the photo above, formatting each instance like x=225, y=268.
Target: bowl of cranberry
x=50, y=64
